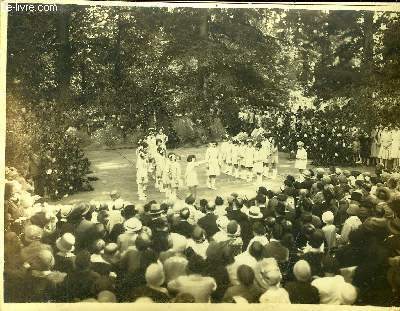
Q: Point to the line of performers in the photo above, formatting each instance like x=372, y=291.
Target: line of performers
x=249, y=159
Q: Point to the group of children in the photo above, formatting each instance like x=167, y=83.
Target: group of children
x=249, y=159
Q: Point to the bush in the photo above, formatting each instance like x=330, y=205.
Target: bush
x=108, y=136
x=185, y=130
x=133, y=136
x=217, y=129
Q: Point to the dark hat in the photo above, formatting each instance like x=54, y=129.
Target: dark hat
x=317, y=238
x=270, y=221
x=184, y=213
x=40, y=219
x=155, y=209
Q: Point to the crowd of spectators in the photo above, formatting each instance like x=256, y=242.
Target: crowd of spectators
x=332, y=237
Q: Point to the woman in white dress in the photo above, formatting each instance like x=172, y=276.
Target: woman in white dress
x=266, y=151
x=258, y=164
x=160, y=160
x=172, y=175
x=213, y=165
x=301, y=157
x=273, y=158
x=395, y=147
x=142, y=174
x=235, y=159
x=386, y=146
x=249, y=161
x=191, y=178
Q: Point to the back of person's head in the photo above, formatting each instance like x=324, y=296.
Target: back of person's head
x=106, y=296
x=245, y=275
x=190, y=200
x=316, y=238
x=302, y=271
x=129, y=211
x=219, y=200
x=262, y=191
x=261, y=199
x=143, y=242
x=197, y=265
x=278, y=231
x=184, y=298
x=256, y=250
x=330, y=264
x=258, y=228
x=288, y=240
x=155, y=274
x=184, y=213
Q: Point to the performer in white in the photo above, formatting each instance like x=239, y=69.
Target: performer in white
x=164, y=138
x=266, y=151
x=249, y=160
x=172, y=176
x=386, y=146
x=152, y=149
x=160, y=160
x=191, y=177
x=396, y=147
x=142, y=174
x=301, y=157
x=235, y=159
x=258, y=164
x=228, y=160
x=213, y=165
x=224, y=153
x=273, y=158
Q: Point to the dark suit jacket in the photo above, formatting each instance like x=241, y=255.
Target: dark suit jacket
x=208, y=223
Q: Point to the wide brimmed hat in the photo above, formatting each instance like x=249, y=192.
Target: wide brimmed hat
x=66, y=243
x=155, y=209
x=394, y=226
x=254, y=212
x=33, y=233
x=132, y=225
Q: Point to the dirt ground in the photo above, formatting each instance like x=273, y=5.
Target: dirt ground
x=116, y=170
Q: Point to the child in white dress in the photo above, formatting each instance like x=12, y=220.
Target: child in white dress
x=249, y=161
x=191, y=178
x=142, y=174
x=173, y=179
x=213, y=165
x=258, y=167
x=301, y=157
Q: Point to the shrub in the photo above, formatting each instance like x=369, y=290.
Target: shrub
x=185, y=130
x=133, y=136
x=217, y=129
x=108, y=136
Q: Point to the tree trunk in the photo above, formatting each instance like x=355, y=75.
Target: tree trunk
x=368, y=49
x=64, y=63
x=202, y=68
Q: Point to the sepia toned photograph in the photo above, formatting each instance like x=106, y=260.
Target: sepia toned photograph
x=201, y=153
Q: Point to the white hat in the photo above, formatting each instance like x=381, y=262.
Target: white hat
x=328, y=217
x=66, y=243
x=132, y=225
x=254, y=212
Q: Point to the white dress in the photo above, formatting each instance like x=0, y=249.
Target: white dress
x=395, y=153
x=235, y=154
x=258, y=161
x=191, y=174
x=249, y=157
x=266, y=149
x=174, y=174
x=141, y=170
x=301, y=159
x=386, y=145
x=212, y=159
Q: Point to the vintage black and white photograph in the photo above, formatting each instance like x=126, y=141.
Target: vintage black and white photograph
x=202, y=154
